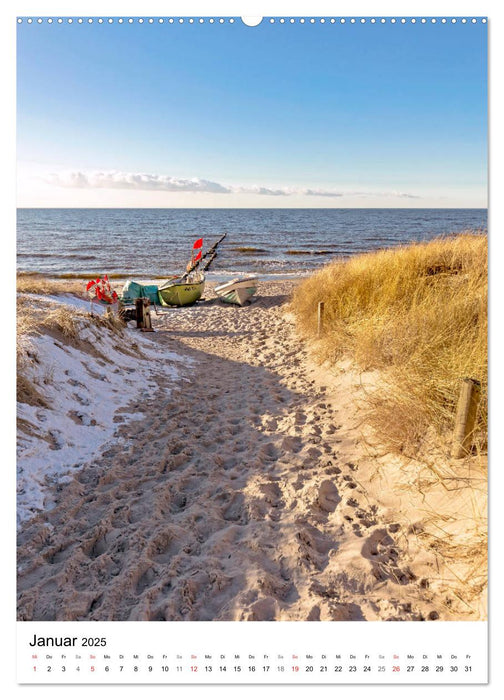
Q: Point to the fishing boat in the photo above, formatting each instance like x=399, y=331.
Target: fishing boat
x=182, y=291
x=237, y=291
x=178, y=290
x=187, y=289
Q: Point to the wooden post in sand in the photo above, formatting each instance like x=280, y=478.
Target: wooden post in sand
x=320, y=318
x=143, y=317
x=139, y=311
x=465, y=418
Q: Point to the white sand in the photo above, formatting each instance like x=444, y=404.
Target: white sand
x=89, y=386
x=250, y=491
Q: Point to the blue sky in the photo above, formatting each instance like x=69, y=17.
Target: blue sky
x=227, y=115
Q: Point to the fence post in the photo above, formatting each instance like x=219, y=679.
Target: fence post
x=320, y=318
x=465, y=418
x=143, y=317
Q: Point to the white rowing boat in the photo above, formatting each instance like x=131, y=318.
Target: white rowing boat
x=237, y=291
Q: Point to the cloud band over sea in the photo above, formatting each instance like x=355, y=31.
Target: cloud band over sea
x=165, y=183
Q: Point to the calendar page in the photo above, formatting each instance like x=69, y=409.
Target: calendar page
x=252, y=285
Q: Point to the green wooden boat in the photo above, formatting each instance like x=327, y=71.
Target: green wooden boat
x=182, y=292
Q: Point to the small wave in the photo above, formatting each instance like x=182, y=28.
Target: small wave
x=57, y=275
x=61, y=256
x=31, y=273
x=111, y=275
x=309, y=252
x=249, y=250
x=35, y=255
x=87, y=275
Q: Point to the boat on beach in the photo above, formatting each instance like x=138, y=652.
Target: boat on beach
x=178, y=290
x=182, y=292
x=188, y=288
x=237, y=291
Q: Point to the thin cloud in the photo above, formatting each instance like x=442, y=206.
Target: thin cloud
x=322, y=193
x=405, y=194
x=282, y=192
x=382, y=194
x=136, y=181
x=166, y=183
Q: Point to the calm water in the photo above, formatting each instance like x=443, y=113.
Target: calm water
x=158, y=242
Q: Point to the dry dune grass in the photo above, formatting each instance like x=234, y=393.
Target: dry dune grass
x=26, y=323
x=419, y=314
x=36, y=316
x=29, y=283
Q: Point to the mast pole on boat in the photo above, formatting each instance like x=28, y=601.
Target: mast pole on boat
x=212, y=251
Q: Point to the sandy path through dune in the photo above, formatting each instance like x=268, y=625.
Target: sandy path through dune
x=237, y=497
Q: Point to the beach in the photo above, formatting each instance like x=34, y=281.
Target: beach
x=243, y=484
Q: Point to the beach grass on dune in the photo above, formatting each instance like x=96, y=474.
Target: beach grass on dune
x=418, y=313
x=35, y=316
x=29, y=283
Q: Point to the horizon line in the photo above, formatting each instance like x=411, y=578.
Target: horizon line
x=259, y=208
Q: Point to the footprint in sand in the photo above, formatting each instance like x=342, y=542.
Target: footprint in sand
x=146, y=579
x=328, y=496
x=314, y=614
x=277, y=586
x=292, y=444
x=81, y=399
x=271, y=425
x=56, y=555
x=313, y=453
x=272, y=492
x=265, y=610
x=100, y=544
x=380, y=548
x=300, y=418
x=95, y=603
x=55, y=439
x=332, y=469
x=349, y=483
x=225, y=463
x=268, y=452
x=314, y=546
x=179, y=501
x=235, y=511
x=366, y=518
x=165, y=545
x=345, y=612
x=357, y=530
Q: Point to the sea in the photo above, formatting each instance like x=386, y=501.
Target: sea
x=154, y=243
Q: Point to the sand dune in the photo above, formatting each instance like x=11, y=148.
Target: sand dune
x=249, y=492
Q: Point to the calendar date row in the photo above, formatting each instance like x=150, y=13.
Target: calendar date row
x=124, y=668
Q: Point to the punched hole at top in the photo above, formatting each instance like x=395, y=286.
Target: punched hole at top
x=251, y=21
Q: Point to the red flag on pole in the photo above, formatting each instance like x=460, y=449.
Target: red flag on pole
x=198, y=244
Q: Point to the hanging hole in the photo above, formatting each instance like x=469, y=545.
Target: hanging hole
x=251, y=21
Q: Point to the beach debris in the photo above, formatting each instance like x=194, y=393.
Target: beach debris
x=100, y=291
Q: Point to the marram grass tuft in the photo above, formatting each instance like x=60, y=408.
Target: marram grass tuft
x=419, y=314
